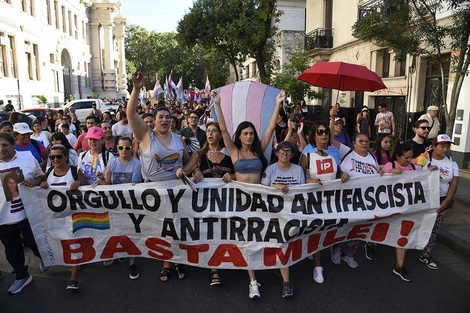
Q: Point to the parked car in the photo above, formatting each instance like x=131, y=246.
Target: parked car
x=40, y=111
x=25, y=117
x=84, y=106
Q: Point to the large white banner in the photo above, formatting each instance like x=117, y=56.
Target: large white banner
x=235, y=225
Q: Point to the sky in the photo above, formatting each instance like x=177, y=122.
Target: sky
x=157, y=15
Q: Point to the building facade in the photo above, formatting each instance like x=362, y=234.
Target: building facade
x=291, y=33
x=61, y=49
x=412, y=86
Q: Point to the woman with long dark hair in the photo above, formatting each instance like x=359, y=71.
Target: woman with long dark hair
x=247, y=154
x=58, y=138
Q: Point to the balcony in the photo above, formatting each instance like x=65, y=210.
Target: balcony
x=320, y=38
x=376, y=6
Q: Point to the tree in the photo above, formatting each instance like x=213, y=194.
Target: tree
x=412, y=27
x=157, y=54
x=285, y=78
x=236, y=29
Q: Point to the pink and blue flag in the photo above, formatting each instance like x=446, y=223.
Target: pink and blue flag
x=248, y=101
x=157, y=89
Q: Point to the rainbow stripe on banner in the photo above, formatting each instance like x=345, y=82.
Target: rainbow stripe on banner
x=90, y=220
x=248, y=101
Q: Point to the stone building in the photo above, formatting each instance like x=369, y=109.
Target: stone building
x=62, y=49
x=412, y=86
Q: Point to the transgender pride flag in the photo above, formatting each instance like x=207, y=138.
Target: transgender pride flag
x=248, y=101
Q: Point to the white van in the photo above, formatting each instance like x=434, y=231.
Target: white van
x=84, y=106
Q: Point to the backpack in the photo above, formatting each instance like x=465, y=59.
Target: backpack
x=104, y=153
x=73, y=168
x=412, y=165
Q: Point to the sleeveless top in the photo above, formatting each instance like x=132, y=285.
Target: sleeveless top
x=246, y=166
x=159, y=162
x=65, y=180
x=216, y=170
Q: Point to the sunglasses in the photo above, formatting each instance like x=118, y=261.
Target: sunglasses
x=425, y=127
x=58, y=157
x=285, y=151
x=322, y=131
x=127, y=148
x=212, y=131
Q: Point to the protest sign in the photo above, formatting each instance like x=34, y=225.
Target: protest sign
x=234, y=225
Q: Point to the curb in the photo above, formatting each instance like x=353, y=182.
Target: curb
x=456, y=244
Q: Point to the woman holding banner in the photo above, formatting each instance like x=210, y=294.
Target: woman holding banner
x=15, y=229
x=401, y=161
x=212, y=161
x=320, y=162
x=438, y=158
x=355, y=162
x=246, y=152
x=162, y=153
x=62, y=174
x=124, y=170
x=281, y=175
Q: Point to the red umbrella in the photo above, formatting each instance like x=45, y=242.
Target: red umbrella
x=342, y=76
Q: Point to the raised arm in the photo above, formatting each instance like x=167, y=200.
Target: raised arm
x=223, y=127
x=137, y=124
x=272, y=123
x=333, y=114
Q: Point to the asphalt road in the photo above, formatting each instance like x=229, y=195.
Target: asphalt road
x=370, y=288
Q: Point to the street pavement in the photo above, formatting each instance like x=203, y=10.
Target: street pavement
x=370, y=288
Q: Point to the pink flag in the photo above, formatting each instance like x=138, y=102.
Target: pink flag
x=207, y=89
x=157, y=89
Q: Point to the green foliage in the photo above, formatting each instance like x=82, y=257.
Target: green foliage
x=157, y=54
x=235, y=29
x=94, y=95
x=42, y=99
x=411, y=27
x=286, y=78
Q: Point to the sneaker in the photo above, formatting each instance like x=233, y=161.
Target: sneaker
x=43, y=267
x=429, y=262
x=133, y=272
x=351, y=262
x=287, y=290
x=402, y=273
x=335, y=256
x=370, y=251
x=318, y=274
x=19, y=284
x=108, y=263
x=122, y=260
x=254, y=290
x=73, y=285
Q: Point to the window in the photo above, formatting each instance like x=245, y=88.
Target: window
x=35, y=59
x=83, y=31
x=64, y=22
x=23, y=5
x=75, y=22
x=29, y=61
x=48, y=8
x=401, y=68
x=51, y=58
x=3, y=61
x=12, y=54
x=30, y=7
x=386, y=64
x=69, y=15
x=56, y=11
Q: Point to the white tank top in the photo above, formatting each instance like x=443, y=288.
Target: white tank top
x=159, y=162
x=65, y=180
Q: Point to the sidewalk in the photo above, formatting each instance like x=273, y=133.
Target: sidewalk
x=455, y=232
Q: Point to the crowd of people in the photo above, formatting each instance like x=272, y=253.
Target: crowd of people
x=163, y=142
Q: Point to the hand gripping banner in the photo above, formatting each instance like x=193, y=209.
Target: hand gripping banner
x=234, y=225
